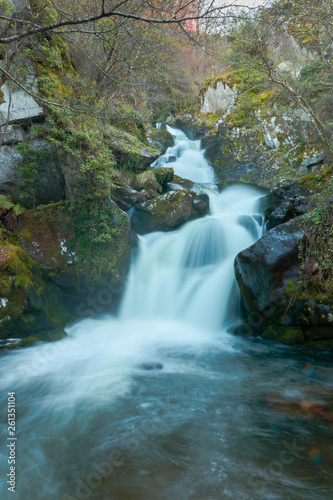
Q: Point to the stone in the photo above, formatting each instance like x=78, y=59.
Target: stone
x=219, y=100
x=160, y=139
x=12, y=134
x=22, y=107
x=264, y=270
x=312, y=161
x=168, y=211
x=280, y=214
x=153, y=366
x=267, y=273
x=42, y=191
x=126, y=197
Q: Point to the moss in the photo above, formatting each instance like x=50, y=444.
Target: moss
x=147, y=181
x=286, y=335
x=29, y=302
x=159, y=138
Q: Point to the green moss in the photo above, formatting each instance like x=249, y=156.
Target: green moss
x=147, y=181
x=286, y=335
x=29, y=303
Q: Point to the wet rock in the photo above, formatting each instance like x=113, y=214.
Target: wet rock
x=264, y=270
x=268, y=274
x=126, y=197
x=154, y=180
x=168, y=212
x=186, y=184
x=160, y=139
x=151, y=366
x=280, y=214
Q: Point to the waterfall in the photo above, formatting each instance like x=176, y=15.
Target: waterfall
x=188, y=275
x=190, y=162
x=161, y=401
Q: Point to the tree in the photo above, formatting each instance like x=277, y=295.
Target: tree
x=260, y=66
x=126, y=49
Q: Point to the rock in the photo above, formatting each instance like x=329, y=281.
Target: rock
x=308, y=163
x=38, y=190
x=219, y=99
x=180, y=183
x=29, y=302
x=267, y=274
x=160, y=139
x=12, y=134
x=45, y=236
x=155, y=180
x=264, y=270
x=280, y=214
x=168, y=211
x=151, y=366
x=283, y=204
x=126, y=197
x=23, y=107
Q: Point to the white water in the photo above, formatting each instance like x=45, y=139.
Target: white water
x=190, y=163
x=181, y=430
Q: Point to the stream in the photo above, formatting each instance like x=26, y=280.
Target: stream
x=162, y=401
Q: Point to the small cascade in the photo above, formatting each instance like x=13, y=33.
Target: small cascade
x=186, y=158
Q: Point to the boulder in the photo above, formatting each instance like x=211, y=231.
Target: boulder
x=268, y=275
x=168, y=211
x=264, y=270
x=283, y=204
x=180, y=183
x=282, y=213
x=126, y=197
x=29, y=301
x=155, y=180
x=160, y=139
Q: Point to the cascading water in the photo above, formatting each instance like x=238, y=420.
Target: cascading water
x=161, y=401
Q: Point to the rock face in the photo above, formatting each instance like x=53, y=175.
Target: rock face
x=18, y=107
x=39, y=190
x=45, y=235
x=168, y=211
x=267, y=274
x=218, y=99
x=29, y=302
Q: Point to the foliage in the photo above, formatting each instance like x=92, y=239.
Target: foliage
x=316, y=253
x=29, y=169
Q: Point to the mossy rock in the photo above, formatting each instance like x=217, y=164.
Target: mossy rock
x=36, y=338
x=160, y=139
x=285, y=334
x=29, y=302
x=169, y=211
x=155, y=180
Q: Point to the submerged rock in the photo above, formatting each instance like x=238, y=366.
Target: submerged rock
x=168, y=211
x=151, y=366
